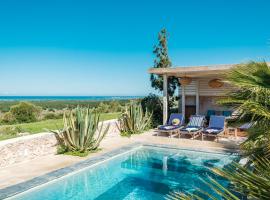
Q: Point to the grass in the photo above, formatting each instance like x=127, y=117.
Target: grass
x=10, y=131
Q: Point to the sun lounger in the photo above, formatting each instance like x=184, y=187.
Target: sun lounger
x=246, y=126
x=242, y=130
x=194, y=127
x=216, y=127
x=174, y=124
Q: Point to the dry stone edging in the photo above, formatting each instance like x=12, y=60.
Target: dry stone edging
x=29, y=147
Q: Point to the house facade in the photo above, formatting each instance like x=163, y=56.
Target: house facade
x=200, y=87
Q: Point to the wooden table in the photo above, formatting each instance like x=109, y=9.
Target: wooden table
x=232, y=131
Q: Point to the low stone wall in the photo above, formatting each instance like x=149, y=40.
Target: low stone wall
x=29, y=147
x=26, y=148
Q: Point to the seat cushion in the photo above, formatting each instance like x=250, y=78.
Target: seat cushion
x=212, y=130
x=168, y=127
x=191, y=128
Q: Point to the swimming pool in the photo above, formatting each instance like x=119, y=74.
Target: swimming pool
x=147, y=172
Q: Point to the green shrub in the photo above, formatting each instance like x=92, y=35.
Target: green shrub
x=25, y=112
x=103, y=108
x=115, y=106
x=51, y=110
x=134, y=120
x=52, y=116
x=153, y=104
x=8, y=118
x=10, y=130
x=81, y=132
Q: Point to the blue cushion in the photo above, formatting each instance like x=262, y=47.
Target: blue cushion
x=217, y=122
x=227, y=113
x=246, y=126
x=210, y=112
x=193, y=128
x=168, y=127
x=212, y=130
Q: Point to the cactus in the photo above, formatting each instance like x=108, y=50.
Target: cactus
x=81, y=131
x=133, y=120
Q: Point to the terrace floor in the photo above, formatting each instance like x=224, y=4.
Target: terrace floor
x=27, y=170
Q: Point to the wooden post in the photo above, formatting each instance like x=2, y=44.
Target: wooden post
x=183, y=101
x=197, y=98
x=180, y=99
x=165, y=99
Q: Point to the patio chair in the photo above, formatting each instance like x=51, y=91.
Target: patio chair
x=194, y=127
x=216, y=127
x=174, y=124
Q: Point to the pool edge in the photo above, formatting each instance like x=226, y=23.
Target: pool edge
x=22, y=187
x=19, y=188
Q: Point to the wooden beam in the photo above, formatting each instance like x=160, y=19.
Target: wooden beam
x=189, y=71
x=197, y=98
x=165, y=99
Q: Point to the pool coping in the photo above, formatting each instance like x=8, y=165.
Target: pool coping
x=16, y=189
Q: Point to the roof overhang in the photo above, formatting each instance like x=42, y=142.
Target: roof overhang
x=193, y=71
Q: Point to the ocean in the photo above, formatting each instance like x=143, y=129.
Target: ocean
x=67, y=98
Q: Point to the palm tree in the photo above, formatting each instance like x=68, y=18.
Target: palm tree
x=253, y=183
x=251, y=99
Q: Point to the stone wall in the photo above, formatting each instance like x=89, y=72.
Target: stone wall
x=32, y=146
x=26, y=148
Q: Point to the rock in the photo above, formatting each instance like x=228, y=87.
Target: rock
x=23, y=134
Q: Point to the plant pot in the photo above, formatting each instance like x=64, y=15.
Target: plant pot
x=215, y=83
x=185, y=81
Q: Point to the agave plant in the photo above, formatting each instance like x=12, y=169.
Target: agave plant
x=134, y=120
x=82, y=131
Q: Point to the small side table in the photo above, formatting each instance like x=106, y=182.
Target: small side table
x=232, y=131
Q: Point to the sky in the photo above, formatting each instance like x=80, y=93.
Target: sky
x=104, y=47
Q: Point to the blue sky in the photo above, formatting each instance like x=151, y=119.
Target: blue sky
x=87, y=47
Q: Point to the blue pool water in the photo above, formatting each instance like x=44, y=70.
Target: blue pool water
x=146, y=173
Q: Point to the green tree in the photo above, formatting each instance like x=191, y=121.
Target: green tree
x=153, y=104
x=25, y=112
x=162, y=60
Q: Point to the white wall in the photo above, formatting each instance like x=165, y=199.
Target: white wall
x=204, y=89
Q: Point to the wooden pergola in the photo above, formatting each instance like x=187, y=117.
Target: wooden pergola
x=199, y=75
